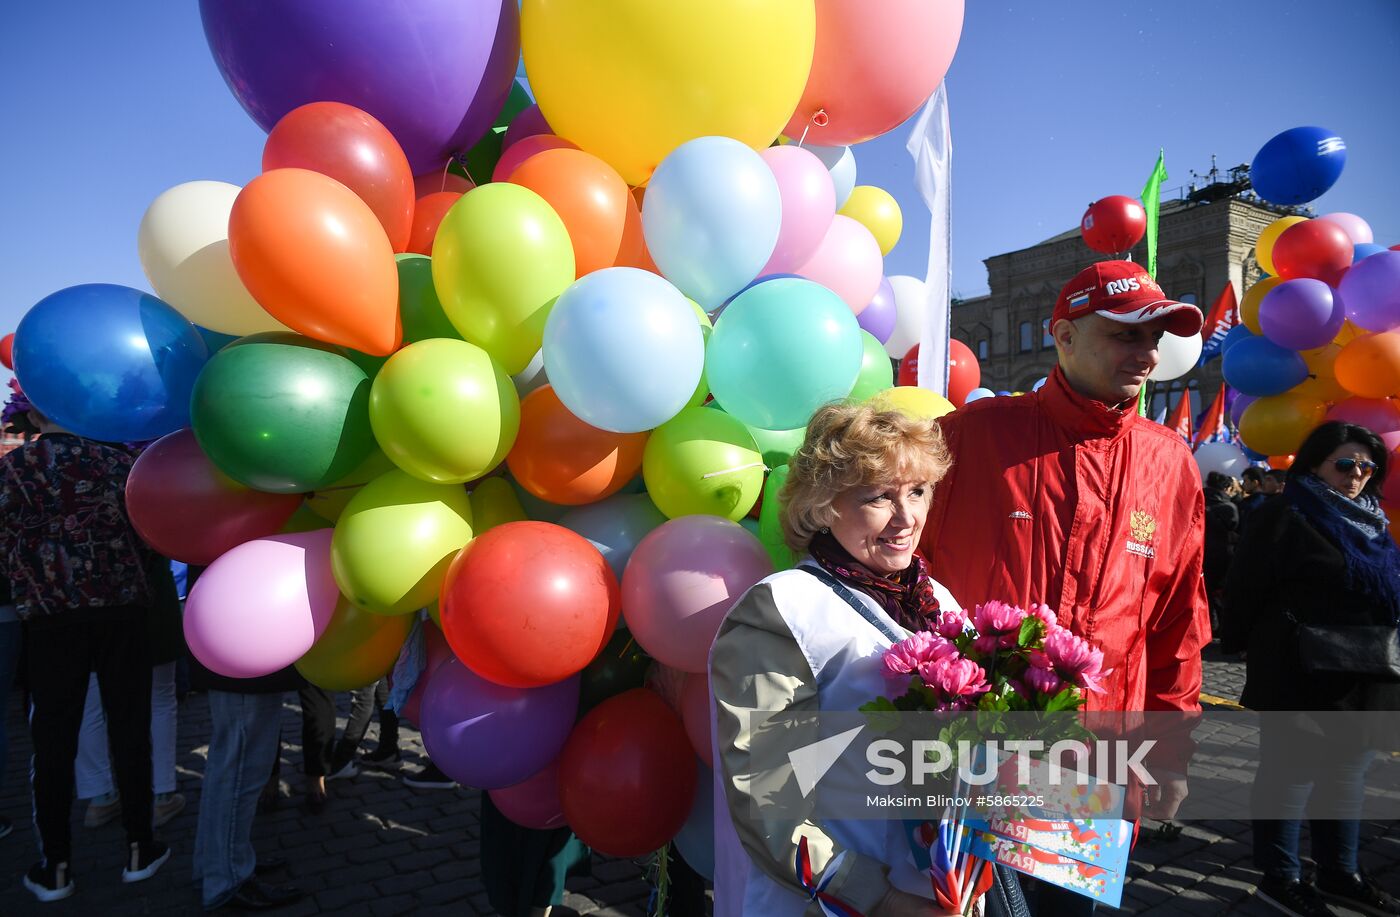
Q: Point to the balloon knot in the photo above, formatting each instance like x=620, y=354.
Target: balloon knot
x=820, y=119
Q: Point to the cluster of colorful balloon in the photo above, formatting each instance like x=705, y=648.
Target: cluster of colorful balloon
x=531, y=366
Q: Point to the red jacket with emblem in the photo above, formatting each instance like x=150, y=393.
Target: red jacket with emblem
x=1098, y=513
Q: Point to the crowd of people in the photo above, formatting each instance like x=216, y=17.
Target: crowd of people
x=1066, y=496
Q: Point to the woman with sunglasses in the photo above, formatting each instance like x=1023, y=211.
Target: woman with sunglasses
x=1320, y=554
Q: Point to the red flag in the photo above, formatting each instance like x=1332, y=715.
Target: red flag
x=1213, y=429
x=1224, y=315
x=1180, y=421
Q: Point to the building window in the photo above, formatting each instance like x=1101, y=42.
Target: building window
x=1026, y=339
x=1187, y=297
x=982, y=349
x=1047, y=340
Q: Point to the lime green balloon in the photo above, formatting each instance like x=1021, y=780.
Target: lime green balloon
x=394, y=541
x=330, y=501
x=357, y=649
x=702, y=388
x=444, y=411
x=494, y=503
x=500, y=258
x=419, y=308
x=282, y=413
x=703, y=462
x=876, y=370
x=770, y=520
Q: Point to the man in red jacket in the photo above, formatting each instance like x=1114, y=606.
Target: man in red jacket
x=1069, y=497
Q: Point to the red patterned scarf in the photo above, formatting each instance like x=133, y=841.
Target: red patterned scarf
x=906, y=596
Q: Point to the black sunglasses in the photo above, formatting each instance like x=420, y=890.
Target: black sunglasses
x=1347, y=465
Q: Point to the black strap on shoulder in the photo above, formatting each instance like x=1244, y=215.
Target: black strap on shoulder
x=860, y=607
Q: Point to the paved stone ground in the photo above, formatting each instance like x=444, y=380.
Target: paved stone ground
x=382, y=849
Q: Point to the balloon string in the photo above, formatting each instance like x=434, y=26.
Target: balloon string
x=803, y=139
x=627, y=646
x=714, y=474
x=447, y=165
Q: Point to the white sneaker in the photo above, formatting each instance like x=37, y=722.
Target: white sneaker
x=349, y=770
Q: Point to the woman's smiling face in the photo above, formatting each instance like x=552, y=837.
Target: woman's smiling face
x=880, y=525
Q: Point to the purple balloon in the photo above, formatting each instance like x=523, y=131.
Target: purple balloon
x=1301, y=314
x=878, y=317
x=489, y=736
x=435, y=72
x=1237, y=409
x=1371, y=291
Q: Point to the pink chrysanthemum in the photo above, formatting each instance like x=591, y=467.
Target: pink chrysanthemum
x=905, y=657
x=1072, y=659
x=956, y=678
x=951, y=623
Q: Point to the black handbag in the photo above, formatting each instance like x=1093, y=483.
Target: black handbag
x=1368, y=651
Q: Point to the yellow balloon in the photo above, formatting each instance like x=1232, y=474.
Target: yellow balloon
x=631, y=80
x=393, y=543
x=1322, y=381
x=912, y=401
x=330, y=501
x=494, y=503
x=1249, y=306
x=1264, y=245
x=1278, y=425
x=878, y=211
x=501, y=257
x=357, y=649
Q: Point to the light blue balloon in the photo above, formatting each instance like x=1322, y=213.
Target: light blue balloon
x=711, y=217
x=841, y=163
x=780, y=351
x=1365, y=250
x=623, y=350
x=615, y=525
x=978, y=394
x=1040, y=383
x=109, y=363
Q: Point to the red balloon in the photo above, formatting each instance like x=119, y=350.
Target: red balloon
x=695, y=713
x=436, y=653
x=533, y=803
x=526, y=604
x=909, y=367
x=1319, y=249
x=189, y=510
x=355, y=149
x=627, y=775
x=7, y=350
x=964, y=372
x=1113, y=224
x=438, y=182
x=427, y=214
x=512, y=158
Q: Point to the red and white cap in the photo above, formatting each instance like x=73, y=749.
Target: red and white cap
x=1122, y=291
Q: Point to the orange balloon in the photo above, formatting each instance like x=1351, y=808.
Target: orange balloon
x=589, y=196
x=634, y=245
x=315, y=257
x=355, y=149
x=427, y=214
x=563, y=460
x=1369, y=366
x=1281, y=462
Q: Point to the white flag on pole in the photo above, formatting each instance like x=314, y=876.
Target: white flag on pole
x=931, y=146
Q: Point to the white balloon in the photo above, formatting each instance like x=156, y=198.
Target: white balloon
x=1222, y=457
x=183, y=246
x=841, y=163
x=910, y=305
x=1040, y=383
x=532, y=376
x=1176, y=356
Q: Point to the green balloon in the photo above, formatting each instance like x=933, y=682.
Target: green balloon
x=770, y=524
x=480, y=161
x=282, y=413
x=876, y=370
x=703, y=462
x=516, y=102
x=777, y=446
x=395, y=540
x=419, y=308
x=357, y=649
x=444, y=411
x=305, y=520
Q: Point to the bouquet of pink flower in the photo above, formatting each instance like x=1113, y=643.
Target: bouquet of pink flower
x=1002, y=658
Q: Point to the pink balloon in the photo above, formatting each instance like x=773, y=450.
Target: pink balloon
x=681, y=581
x=528, y=123
x=695, y=713
x=535, y=802
x=1379, y=415
x=259, y=607
x=1355, y=227
x=512, y=158
x=1390, y=490
x=847, y=262
x=809, y=202
x=438, y=182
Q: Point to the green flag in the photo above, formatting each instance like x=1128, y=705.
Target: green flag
x=1152, y=203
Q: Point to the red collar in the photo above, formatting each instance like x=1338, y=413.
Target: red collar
x=1083, y=417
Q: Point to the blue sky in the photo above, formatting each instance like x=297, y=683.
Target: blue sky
x=1054, y=104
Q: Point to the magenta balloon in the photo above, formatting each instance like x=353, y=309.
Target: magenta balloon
x=1301, y=314
x=489, y=736
x=258, y=608
x=1379, y=415
x=1357, y=229
x=681, y=581
x=847, y=262
x=1242, y=401
x=528, y=123
x=695, y=713
x=879, y=317
x=1371, y=291
x=435, y=72
x=535, y=802
x=809, y=203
